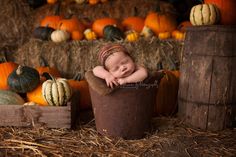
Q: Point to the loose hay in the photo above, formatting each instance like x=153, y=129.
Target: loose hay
x=80, y=56
x=168, y=138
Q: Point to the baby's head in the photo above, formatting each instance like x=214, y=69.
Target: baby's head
x=116, y=59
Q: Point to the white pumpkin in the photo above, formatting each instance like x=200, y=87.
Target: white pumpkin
x=60, y=36
x=56, y=92
x=146, y=32
x=204, y=14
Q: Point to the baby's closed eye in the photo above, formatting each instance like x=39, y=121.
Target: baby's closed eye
x=114, y=69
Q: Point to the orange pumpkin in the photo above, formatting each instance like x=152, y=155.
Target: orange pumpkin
x=83, y=88
x=71, y=24
x=182, y=26
x=99, y=24
x=159, y=22
x=51, y=21
x=227, y=10
x=44, y=67
x=133, y=23
x=6, y=68
x=36, y=95
x=77, y=35
x=167, y=94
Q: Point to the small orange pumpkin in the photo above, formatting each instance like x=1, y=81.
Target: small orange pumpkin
x=83, y=88
x=6, y=68
x=36, y=95
x=164, y=35
x=99, y=24
x=182, y=26
x=77, y=35
x=178, y=35
x=133, y=23
x=44, y=67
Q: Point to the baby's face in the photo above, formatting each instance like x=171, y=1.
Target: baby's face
x=120, y=65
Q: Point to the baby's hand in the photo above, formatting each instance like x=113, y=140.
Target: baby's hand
x=111, y=80
x=122, y=81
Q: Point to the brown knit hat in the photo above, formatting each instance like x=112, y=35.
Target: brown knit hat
x=108, y=49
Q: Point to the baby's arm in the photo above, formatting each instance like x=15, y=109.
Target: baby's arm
x=139, y=75
x=102, y=73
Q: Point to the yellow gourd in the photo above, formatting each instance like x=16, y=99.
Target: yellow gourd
x=89, y=34
x=132, y=36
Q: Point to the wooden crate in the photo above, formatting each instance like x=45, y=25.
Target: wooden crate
x=38, y=116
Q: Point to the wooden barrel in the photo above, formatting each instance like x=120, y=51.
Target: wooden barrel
x=207, y=92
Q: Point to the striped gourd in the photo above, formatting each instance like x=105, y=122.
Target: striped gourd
x=10, y=98
x=204, y=14
x=56, y=92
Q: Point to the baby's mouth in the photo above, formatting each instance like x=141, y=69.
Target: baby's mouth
x=125, y=73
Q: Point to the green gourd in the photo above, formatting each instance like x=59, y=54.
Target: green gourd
x=23, y=79
x=112, y=33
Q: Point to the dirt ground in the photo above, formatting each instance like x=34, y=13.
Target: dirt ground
x=169, y=137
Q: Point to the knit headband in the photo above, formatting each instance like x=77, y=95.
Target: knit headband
x=109, y=49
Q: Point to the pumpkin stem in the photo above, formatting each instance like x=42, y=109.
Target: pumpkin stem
x=158, y=8
x=159, y=66
x=135, y=11
x=48, y=76
x=59, y=26
x=19, y=70
x=77, y=76
x=3, y=58
x=57, y=8
x=43, y=62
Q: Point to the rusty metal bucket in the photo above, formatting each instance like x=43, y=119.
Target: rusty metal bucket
x=127, y=111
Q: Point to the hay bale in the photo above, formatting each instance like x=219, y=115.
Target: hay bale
x=80, y=56
x=15, y=25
